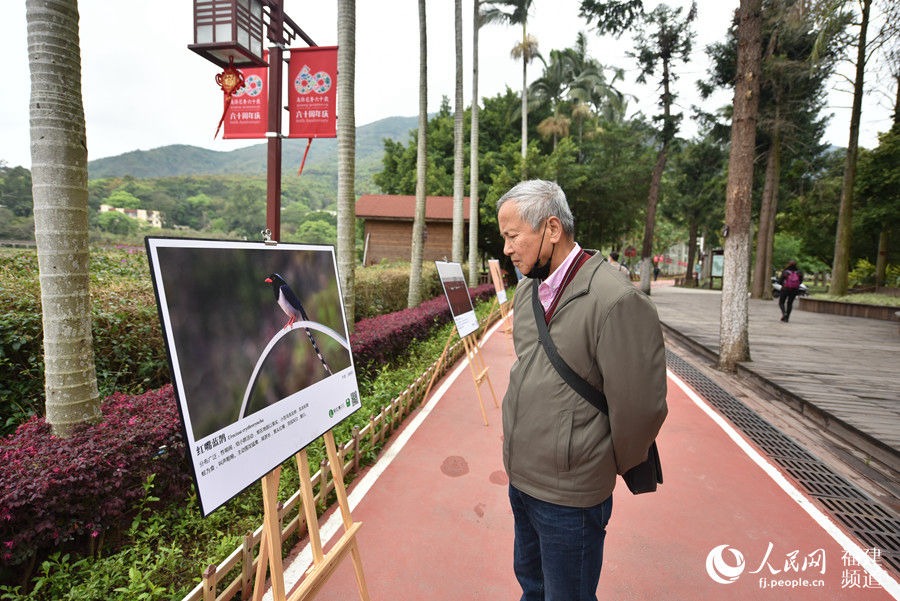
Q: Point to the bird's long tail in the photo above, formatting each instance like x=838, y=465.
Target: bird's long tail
x=312, y=340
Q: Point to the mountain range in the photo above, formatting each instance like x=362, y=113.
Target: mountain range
x=181, y=159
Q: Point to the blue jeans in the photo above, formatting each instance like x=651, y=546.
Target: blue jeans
x=558, y=550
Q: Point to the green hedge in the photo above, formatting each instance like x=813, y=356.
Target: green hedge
x=382, y=289
x=130, y=356
x=129, y=353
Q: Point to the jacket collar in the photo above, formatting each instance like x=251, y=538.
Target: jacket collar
x=581, y=283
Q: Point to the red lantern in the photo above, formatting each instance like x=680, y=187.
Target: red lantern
x=230, y=81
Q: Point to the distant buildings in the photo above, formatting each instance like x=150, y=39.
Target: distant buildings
x=152, y=218
x=389, y=222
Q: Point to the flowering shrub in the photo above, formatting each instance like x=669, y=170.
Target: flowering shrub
x=377, y=340
x=56, y=491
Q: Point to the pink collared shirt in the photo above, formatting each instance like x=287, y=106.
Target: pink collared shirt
x=548, y=288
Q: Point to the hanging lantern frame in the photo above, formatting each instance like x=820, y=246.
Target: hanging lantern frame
x=229, y=31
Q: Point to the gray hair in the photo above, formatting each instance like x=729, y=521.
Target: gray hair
x=539, y=199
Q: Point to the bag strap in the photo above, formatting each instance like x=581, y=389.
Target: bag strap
x=580, y=385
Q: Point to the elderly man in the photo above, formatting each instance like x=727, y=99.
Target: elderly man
x=561, y=453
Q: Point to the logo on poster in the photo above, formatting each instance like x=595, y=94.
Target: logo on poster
x=253, y=86
x=319, y=83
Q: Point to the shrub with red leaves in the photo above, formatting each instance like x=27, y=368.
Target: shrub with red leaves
x=377, y=340
x=54, y=491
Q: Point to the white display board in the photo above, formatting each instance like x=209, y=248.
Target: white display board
x=457, y=293
x=258, y=346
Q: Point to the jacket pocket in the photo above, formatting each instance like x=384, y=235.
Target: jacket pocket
x=564, y=441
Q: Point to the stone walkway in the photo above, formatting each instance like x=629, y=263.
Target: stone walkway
x=844, y=372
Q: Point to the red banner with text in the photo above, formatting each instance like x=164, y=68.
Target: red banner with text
x=247, y=116
x=312, y=92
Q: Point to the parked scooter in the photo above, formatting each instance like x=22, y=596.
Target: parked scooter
x=776, y=288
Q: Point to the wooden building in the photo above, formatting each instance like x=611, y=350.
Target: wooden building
x=389, y=222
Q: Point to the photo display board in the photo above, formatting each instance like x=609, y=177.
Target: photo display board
x=457, y=293
x=259, y=351
x=497, y=278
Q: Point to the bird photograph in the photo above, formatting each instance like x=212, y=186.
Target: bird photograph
x=224, y=311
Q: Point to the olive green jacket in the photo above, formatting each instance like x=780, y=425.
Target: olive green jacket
x=557, y=447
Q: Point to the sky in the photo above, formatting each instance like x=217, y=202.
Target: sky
x=142, y=88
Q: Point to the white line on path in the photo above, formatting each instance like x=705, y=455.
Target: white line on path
x=849, y=545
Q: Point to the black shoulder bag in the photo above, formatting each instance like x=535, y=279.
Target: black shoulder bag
x=641, y=478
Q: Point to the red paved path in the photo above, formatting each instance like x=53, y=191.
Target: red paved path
x=437, y=524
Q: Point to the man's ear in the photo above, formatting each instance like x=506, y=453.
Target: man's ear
x=555, y=229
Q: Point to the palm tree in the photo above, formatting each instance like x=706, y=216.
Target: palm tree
x=515, y=12
x=418, y=233
x=734, y=343
x=458, y=242
x=478, y=20
x=346, y=133
x=59, y=186
x=527, y=50
x=552, y=88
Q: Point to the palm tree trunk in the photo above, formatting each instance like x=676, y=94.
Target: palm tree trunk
x=841, y=266
x=524, y=102
x=418, y=233
x=473, y=153
x=458, y=231
x=59, y=185
x=734, y=344
x=346, y=133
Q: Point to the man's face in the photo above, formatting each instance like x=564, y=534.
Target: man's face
x=520, y=243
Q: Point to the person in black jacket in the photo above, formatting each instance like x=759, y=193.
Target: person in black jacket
x=790, y=281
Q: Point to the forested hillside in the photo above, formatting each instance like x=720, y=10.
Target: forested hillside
x=177, y=159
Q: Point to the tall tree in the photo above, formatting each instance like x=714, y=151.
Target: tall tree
x=665, y=39
x=59, y=180
x=734, y=341
x=695, y=187
x=662, y=37
x=418, y=232
x=843, y=236
x=515, y=12
x=792, y=94
x=346, y=195
x=478, y=19
x=458, y=234
x=878, y=193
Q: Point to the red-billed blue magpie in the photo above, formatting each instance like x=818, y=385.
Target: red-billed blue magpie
x=292, y=307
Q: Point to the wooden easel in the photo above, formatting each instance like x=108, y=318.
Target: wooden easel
x=323, y=563
x=507, y=326
x=479, y=371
